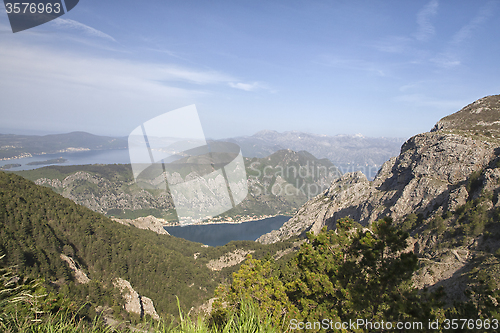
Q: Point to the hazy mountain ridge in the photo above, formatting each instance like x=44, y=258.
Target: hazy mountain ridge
x=15, y=146
x=348, y=152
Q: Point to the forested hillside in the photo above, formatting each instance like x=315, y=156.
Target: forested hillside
x=37, y=225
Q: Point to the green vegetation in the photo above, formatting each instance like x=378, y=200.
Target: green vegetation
x=50, y=161
x=37, y=225
x=10, y=166
x=347, y=274
x=18, y=296
x=25, y=306
x=340, y=275
x=110, y=172
x=354, y=273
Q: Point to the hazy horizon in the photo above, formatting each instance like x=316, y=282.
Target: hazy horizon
x=43, y=133
x=379, y=68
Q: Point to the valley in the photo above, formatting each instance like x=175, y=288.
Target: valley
x=278, y=184
x=38, y=226
x=423, y=236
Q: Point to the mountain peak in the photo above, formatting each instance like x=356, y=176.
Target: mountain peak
x=481, y=116
x=265, y=133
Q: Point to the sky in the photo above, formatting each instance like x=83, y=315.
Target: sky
x=380, y=68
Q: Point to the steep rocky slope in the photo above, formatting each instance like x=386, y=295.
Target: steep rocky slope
x=482, y=116
x=443, y=189
x=430, y=175
x=101, y=194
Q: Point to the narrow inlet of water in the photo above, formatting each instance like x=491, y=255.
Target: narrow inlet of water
x=221, y=234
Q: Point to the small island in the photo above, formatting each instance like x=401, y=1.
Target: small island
x=9, y=166
x=51, y=161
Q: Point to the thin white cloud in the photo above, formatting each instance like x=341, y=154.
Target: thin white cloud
x=454, y=52
x=75, y=25
x=32, y=64
x=75, y=84
x=246, y=86
x=352, y=64
x=482, y=16
x=393, y=44
x=446, y=60
x=425, y=28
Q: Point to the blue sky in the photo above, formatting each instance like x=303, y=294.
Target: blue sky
x=379, y=68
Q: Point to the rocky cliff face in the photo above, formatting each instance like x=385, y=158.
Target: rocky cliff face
x=102, y=195
x=444, y=189
x=430, y=175
x=134, y=303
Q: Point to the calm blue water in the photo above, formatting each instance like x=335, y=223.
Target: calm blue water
x=115, y=156
x=221, y=234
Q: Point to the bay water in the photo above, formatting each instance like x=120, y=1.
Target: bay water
x=111, y=156
x=222, y=233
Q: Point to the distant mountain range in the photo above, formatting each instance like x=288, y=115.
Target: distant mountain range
x=348, y=152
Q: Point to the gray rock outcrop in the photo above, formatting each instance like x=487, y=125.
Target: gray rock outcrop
x=429, y=175
x=101, y=194
x=148, y=223
x=135, y=303
x=482, y=116
x=80, y=275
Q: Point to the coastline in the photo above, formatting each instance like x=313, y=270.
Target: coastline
x=65, y=150
x=219, y=234
x=227, y=220
x=230, y=220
